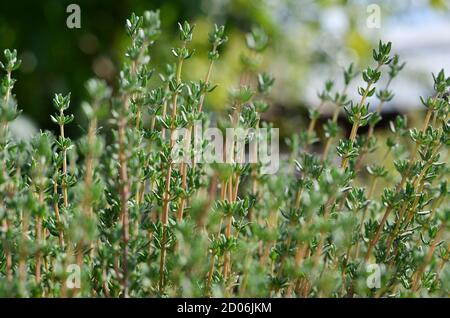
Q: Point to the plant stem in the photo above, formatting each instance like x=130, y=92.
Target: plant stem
x=58, y=217
x=184, y=167
x=357, y=120
x=64, y=172
x=165, y=209
x=210, y=272
x=223, y=193
x=144, y=45
x=124, y=195
x=227, y=256
x=89, y=174
x=38, y=228
x=23, y=252
x=8, y=256
x=147, y=161
x=334, y=121
x=415, y=285
x=363, y=217
x=369, y=136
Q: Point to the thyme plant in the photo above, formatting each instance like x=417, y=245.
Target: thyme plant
x=116, y=214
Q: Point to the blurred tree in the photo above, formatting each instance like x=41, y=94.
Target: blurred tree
x=58, y=59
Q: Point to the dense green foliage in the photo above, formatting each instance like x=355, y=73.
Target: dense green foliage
x=138, y=224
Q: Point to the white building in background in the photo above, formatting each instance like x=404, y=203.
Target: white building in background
x=420, y=35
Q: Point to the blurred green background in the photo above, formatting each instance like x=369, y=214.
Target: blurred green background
x=310, y=42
